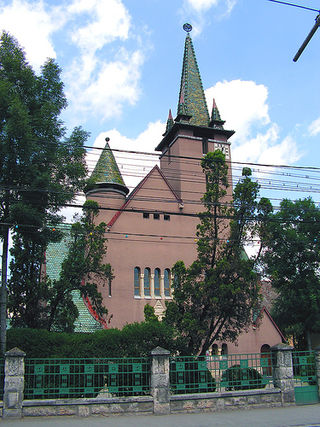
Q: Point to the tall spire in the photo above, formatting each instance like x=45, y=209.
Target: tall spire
x=192, y=101
x=106, y=169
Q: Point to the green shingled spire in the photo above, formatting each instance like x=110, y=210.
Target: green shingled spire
x=106, y=169
x=192, y=101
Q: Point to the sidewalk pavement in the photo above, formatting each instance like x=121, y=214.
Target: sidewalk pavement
x=297, y=416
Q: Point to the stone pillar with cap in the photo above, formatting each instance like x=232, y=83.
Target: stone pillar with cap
x=283, y=371
x=160, y=381
x=13, y=383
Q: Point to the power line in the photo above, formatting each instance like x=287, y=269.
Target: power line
x=295, y=5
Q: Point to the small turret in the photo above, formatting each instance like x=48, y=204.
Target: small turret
x=106, y=184
x=216, y=121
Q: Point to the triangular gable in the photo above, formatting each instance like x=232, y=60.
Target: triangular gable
x=136, y=190
x=266, y=311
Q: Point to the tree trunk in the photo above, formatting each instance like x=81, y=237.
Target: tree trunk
x=3, y=291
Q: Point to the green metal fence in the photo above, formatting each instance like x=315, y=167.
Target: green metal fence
x=1, y=378
x=304, y=371
x=73, y=378
x=220, y=373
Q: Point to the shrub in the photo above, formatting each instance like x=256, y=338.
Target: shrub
x=237, y=378
x=193, y=378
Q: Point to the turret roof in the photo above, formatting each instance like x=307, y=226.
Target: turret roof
x=106, y=169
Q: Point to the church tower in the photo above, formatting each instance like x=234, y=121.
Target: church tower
x=192, y=134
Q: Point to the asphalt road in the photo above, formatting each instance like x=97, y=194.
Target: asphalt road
x=297, y=416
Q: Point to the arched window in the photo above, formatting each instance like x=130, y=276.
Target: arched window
x=215, y=349
x=266, y=360
x=136, y=281
x=224, y=349
x=147, y=282
x=157, y=282
x=167, y=282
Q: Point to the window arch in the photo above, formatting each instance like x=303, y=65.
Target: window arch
x=167, y=282
x=137, y=272
x=157, y=282
x=147, y=277
x=224, y=349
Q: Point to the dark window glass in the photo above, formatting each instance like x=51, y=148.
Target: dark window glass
x=136, y=281
x=167, y=280
x=166, y=217
x=156, y=216
x=145, y=215
x=157, y=282
x=147, y=282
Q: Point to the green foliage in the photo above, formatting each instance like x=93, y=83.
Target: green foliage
x=238, y=378
x=192, y=379
x=41, y=170
x=213, y=299
x=82, y=270
x=292, y=261
x=149, y=315
x=134, y=340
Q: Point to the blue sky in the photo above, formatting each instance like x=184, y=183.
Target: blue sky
x=121, y=62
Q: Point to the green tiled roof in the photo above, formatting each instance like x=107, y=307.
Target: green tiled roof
x=55, y=254
x=106, y=169
x=192, y=100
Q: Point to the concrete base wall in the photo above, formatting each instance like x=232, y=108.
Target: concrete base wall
x=212, y=402
x=202, y=402
x=87, y=407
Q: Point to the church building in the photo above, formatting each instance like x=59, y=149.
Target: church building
x=154, y=226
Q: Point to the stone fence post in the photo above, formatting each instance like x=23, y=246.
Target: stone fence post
x=317, y=360
x=160, y=381
x=283, y=371
x=13, y=383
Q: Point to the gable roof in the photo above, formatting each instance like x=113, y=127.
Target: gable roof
x=135, y=191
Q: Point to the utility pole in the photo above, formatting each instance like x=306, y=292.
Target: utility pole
x=309, y=36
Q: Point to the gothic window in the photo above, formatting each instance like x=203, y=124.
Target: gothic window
x=167, y=281
x=137, y=281
x=157, y=282
x=147, y=278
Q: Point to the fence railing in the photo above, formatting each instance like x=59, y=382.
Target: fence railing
x=74, y=378
x=220, y=373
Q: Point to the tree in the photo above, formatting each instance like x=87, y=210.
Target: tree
x=292, y=261
x=41, y=168
x=215, y=297
x=82, y=270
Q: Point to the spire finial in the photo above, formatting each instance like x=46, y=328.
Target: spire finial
x=187, y=27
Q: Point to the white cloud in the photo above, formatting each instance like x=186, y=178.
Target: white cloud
x=104, y=75
x=203, y=5
x=197, y=10
x=114, y=84
x=244, y=106
x=107, y=20
x=133, y=167
x=32, y=25
x=314, y=128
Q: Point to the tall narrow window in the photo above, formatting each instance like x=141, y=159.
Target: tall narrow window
x=167, y=282
x=204, y=146
x=224, y=349
x=157, y=282
x=147, y=282
x=136, y=281
x=109, y=287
